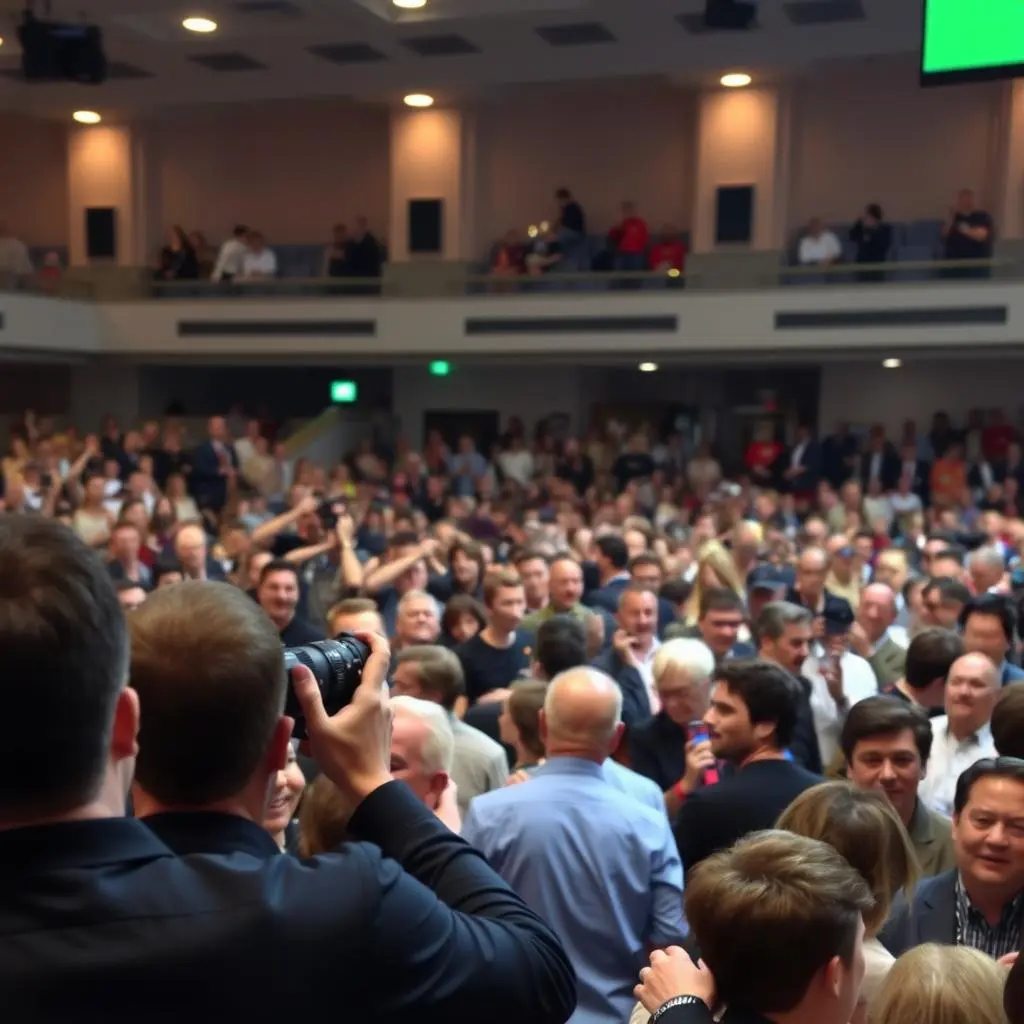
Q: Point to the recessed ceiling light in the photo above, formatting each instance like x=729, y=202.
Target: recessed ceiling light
x=419, y=99
x=892, y=364
x=735, y=80
x=87, y=117
x=199, y=25
x=647, y=367
x=409, y=5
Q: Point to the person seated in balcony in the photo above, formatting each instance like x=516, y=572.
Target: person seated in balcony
x=544, y=253
x=364, y=253
x=177, y=260
x=668, y=252
x=205, y=255
x=509, y=256
x=629, y=240
x=819, y=246
x=231, y=256
x=259, y=262
x=336, y=257
x=871, y=235
x=967, y=234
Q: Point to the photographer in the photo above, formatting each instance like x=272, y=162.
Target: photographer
x=134, y=926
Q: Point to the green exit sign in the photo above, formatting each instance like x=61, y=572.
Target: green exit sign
x=344, y=391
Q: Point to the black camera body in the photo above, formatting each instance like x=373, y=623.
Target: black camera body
x=337, y=665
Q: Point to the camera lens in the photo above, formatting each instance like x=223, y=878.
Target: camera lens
x=337, y=665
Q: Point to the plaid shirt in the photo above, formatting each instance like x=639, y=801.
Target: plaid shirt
x=972, y=929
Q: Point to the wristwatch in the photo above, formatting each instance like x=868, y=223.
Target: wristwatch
x=677, y=1001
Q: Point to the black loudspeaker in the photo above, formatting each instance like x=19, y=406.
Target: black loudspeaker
x=734, y=214
x=101, y=233
x=426, y=218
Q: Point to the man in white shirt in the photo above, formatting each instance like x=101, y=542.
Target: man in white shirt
x=259, y=261
x=963, y=735
x=819, y=247
x=231, y=258
x=516, y=462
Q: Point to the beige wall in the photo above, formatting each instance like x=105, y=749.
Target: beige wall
x=34, y=179
x=874, y=135
x=606, y=142
x=291, y=169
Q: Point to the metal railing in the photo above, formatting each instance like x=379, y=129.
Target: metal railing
x=705, y=272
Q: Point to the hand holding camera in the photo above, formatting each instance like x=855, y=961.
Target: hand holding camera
x=349, y=738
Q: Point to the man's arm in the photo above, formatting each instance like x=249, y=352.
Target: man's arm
x=469, y=946
x=668, y=926
x=386, y=574
x=269, y=530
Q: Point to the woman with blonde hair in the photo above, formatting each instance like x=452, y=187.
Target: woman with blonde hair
x=715, y=569
x=933, y=984
x=863, y=827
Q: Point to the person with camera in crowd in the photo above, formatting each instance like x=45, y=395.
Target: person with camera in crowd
x=102, y=921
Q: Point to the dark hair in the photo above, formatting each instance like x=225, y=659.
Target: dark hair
x=930, y=656
x=528, y=555
x=278, y=565
x=769, y=692
x=472, y=550
x=777, y=615
x=646, y=558
x=949, y=589
x=770, y=912
x=165, y=566
x=996, y=605
x=561, y=645
x=206, y=662
x=986, y=768
x=563, y=193
x=885, y=716
x=459, y=605
x=1008, y=721
x=403, y=539
x=676, y=591
x=614, y=549
x=720, y=599
x=524, y=704
x=439, y=670
x=954, y=552
x=122, y=586
x=64, y=646
x=240, y=229
x=875, y=211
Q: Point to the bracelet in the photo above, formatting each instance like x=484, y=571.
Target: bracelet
x=680, y=793
x=677, y=1001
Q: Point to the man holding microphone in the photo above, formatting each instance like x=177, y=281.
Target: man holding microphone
x=409, y=920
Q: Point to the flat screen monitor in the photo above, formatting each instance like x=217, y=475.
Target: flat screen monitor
x=971, y=40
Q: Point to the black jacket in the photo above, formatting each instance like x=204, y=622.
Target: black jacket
x=714, y=817
x=100, y=922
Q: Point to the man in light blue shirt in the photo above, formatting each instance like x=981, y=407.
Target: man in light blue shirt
x=601, y=867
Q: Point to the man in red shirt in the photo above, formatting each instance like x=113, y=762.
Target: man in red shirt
x=630, y=240
x=997, y=437
x=668, y=252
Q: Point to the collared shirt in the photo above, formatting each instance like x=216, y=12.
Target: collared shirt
x=859, y=682
x=645, y=666
x=951, y=757
x=602, y=869
x=972, y=928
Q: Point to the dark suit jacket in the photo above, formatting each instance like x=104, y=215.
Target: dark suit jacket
x=929, y=916
x=752, y=799
x=100, y=922
x=209, y=488
x=607, y=597
x=835, y=451
x=889, y=471
x=636, y=705
x=698, y=1013
x=811, y=462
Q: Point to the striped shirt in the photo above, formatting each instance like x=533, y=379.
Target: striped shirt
x=972, y=929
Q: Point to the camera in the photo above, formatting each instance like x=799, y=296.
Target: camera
x=337, y=665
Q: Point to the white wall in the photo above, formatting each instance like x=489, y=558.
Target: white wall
x=868, y=393
x=524, y=391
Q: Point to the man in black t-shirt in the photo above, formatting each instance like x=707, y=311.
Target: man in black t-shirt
x=968, y=233
x=500, y=653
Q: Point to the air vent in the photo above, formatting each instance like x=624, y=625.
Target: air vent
x=585, y=33
x=347, y=53
x=824, y=12
x=439, y=46
x=269, y=8
x=228, y=62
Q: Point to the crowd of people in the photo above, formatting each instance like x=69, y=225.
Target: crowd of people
x=769, y=719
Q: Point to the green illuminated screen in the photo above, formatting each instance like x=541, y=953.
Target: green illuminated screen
x=964, y=36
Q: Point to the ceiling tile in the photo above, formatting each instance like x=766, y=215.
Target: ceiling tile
x=347, y=53
x=584, y=33
x=120, y=71
x=439, y=46
x=227, y=62
x=824, y=12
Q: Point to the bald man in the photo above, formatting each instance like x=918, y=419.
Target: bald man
x=190, y=549
x=214, y=466
x=876, y=637
x=601, y=867
x=963, y=734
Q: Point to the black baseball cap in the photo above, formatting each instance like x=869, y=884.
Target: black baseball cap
x=767, y=577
